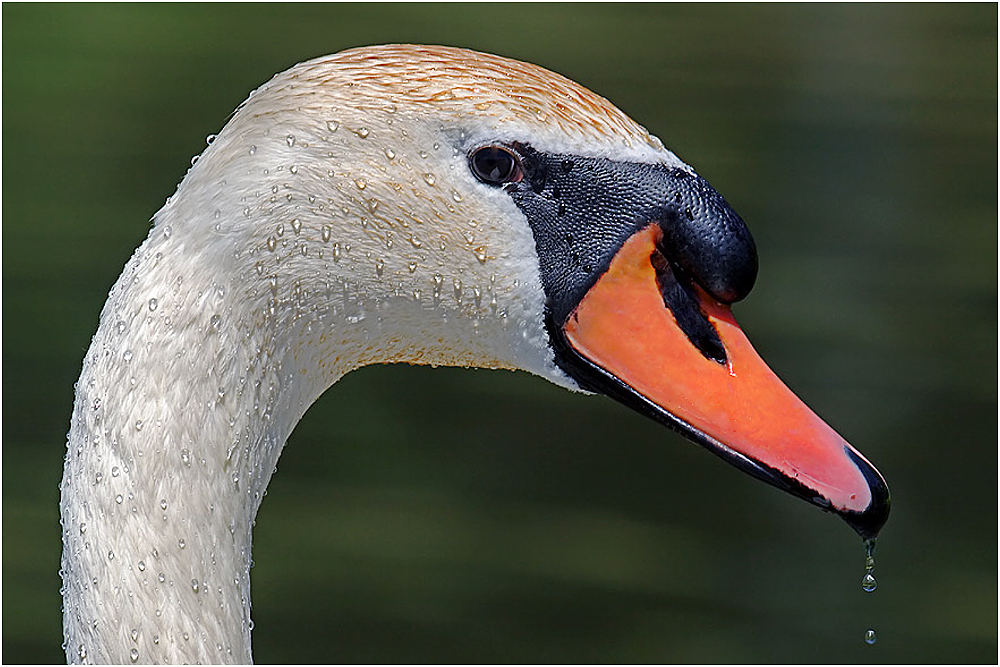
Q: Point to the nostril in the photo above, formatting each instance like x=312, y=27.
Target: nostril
x=679, y=296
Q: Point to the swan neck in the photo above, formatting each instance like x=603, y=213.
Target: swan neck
x=182, y=409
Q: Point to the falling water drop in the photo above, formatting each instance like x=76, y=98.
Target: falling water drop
x=153, y=303
x=134, y=654
x=868, y=582
x=290, y=140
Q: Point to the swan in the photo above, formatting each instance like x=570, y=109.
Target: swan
x=399, y=203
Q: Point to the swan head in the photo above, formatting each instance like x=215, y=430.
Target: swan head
x=413, y=204
x=442, y=206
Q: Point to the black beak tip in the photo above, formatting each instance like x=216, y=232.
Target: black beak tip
x=869, y=522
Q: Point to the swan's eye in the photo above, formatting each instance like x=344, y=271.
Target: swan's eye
x=495, y=165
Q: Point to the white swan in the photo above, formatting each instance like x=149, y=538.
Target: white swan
x=425, y=205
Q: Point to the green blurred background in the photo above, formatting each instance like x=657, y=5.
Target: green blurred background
x=452, y=515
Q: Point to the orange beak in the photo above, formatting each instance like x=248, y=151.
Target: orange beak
x=624, y=330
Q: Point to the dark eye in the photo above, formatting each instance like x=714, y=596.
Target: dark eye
x=495, y=165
